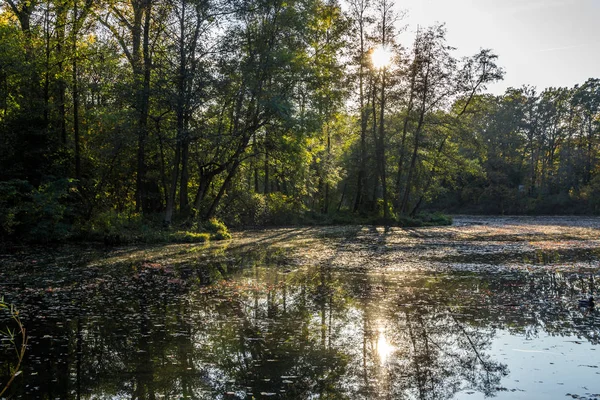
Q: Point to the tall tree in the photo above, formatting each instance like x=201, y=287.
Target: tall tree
x=131, y=25
x=434, y=85
x=193, y=22
x=361, y=19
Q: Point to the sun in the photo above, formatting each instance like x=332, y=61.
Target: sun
x=381, y=57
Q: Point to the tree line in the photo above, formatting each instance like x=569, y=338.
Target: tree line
x=540, y=153
x=267, y=112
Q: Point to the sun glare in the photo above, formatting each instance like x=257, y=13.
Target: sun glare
x=384, y=348
x=381, y=57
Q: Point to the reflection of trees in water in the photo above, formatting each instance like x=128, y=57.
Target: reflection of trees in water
x=428, y=353
x=146, y=341
x=442, y=325
x=300, y=334
x=528, y=303
x=111, y=339
x=280, y=340
x=440, y=356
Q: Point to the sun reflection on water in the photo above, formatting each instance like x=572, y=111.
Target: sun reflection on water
x=384, y=348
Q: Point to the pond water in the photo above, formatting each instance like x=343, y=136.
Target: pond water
x=485, y=308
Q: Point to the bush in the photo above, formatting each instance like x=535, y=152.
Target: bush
x=189, y=237
x=591, y=194
x=43, y=214
x=273, y=209
x=434, y=219
x=281, y=210
x=499, y=199
x=116, y=228
x=409, y=222
x=14, y=195
x=247, y=209
x=216, y=229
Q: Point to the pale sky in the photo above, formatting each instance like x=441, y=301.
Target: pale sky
x=540, y=43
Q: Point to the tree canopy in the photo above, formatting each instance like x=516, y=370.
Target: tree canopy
x=173, y=112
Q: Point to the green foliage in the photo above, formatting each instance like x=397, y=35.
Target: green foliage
x=281, y=210
x=245, y=209
x=434, y=219
x=273, y=209
x=215, y=228
x=190, y=237
x=53, y=208
x=42, y=214
x=114, y=228
x=241, y=116
x=112, y=222
x=408, y=222
x=591, y=194
x=13, y=195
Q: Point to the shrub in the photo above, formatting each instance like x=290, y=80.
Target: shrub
x=216, y=229
x=53, y=212
x=434, y=219
x=264, y=210
x=281, y=210
x=248, y=209
x=591, y=194
x=115, y=228
x=189, y=237
x=42, y=214
x=409, y=222
x=14, y=196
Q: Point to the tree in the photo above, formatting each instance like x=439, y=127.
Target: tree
x=361, y=20
x=434, y=85
x=193, y=24
x=131, y=24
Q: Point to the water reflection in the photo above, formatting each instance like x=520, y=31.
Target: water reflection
x=154, y=330
x=384, y=348
x=500, y=255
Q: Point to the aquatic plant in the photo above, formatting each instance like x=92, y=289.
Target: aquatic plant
x=12, y=335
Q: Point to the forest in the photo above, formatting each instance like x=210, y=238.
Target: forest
x=156, y=119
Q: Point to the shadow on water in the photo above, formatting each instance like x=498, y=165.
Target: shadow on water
x=175, y=328
x=532, y=257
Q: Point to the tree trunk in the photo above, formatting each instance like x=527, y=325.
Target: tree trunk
x=184, y=202
x=413, y=162
x=179, y=111
x=409, y=108
x=205, y=181
x=254, y=162
x=46, y=113
x=143, y=201
x=382, y=171
x=61, y=21
x=376, y=141
x=266, y=168
x=213, y=207
x=23, y=14
x=363, y=125
x=75, y=73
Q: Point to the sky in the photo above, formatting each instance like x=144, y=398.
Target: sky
x=544, y=43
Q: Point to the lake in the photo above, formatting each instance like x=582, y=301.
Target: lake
x=487, y=307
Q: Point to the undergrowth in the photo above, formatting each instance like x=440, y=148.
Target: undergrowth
x=114, y=229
